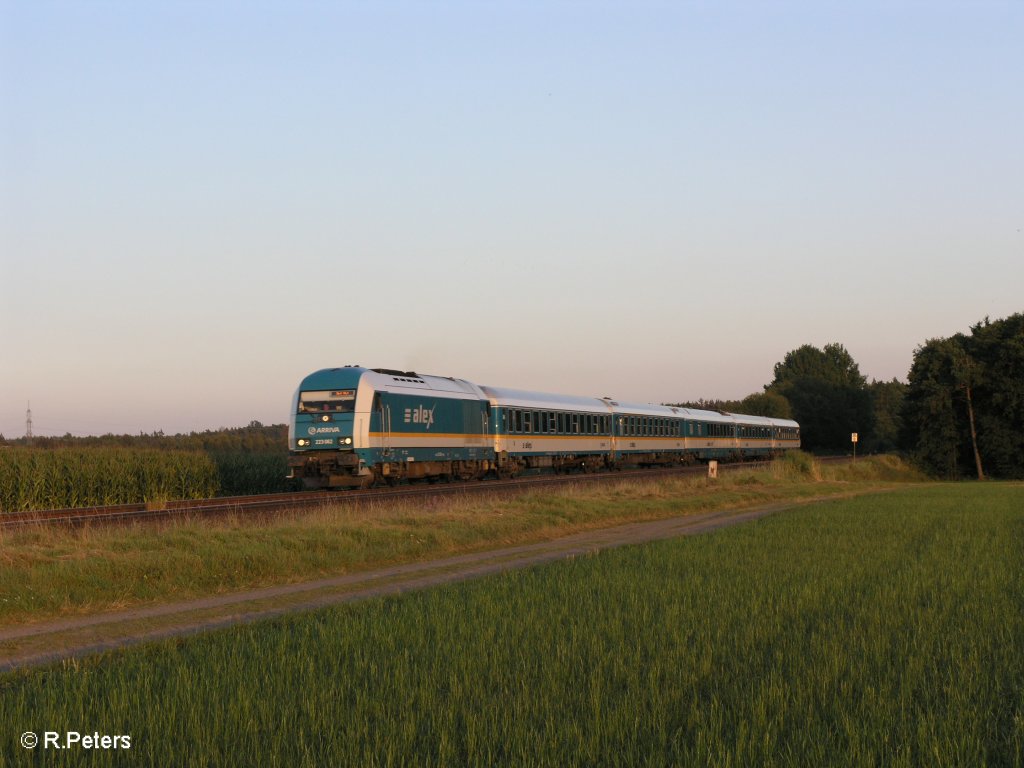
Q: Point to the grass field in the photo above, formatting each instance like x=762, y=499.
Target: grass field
x=49, y=572
x=875, y=631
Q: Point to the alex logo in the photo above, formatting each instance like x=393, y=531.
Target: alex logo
x=419, y=415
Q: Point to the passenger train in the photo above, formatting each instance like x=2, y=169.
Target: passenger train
x=359, y=427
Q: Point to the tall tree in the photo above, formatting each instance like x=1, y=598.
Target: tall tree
x=997, y=350
x=932, y=420
x=887, y=404
x=964, y=408
x=828, y=395
x=833, y=363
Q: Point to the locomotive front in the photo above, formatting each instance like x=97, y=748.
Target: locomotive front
x=322, y=435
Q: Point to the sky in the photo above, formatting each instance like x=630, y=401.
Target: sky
x=200, y=203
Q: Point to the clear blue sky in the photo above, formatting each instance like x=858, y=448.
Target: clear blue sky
x=202, y=202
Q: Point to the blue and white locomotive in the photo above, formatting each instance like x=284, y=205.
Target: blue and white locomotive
x=356, y=427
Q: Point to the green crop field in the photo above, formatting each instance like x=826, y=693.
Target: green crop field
x=878, y=631
x=32, y=478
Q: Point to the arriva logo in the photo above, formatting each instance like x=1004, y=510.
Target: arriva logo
x=419, y=415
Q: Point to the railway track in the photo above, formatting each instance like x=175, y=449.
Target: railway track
x=278, y=503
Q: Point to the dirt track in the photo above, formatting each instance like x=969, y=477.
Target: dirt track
x=70, y=638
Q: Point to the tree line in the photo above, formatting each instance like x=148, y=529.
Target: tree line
x=254, y=438
x=964, y=410
x=961, y=412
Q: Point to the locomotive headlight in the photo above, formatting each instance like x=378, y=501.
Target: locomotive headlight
x=302, y=442
x=348, y=441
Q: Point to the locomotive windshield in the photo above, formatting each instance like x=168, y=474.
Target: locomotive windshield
x=328, y=401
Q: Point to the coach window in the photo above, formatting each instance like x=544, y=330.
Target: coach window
x=552, y=422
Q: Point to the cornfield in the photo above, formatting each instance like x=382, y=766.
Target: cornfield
x=244, y=472
x=33, y=479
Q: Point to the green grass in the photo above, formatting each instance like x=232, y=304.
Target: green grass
x=876, y=631
x=48, y=572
